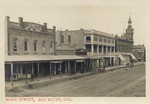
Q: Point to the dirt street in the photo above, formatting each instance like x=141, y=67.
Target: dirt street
x=117, y=83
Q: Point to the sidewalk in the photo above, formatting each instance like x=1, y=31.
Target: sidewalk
x=44, y=81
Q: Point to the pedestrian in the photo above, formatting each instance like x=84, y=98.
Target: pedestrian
x=32, y=77
x=127, y=65
x=82, y=70
x=59, y=71
x=14, y=76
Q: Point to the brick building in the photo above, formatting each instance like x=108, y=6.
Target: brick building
x=139, y=52
x=30, y=48
x=124, y=45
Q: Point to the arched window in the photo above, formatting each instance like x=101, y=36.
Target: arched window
x=69, y=38
x=35, y=45
x=15, y=45
x=43, y=45
x=88, y=39
x=51, y=47
x=25, y=45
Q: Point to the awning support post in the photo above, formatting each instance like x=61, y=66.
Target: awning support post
x=11, y=74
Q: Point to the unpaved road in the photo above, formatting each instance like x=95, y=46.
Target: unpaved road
x=117, y=83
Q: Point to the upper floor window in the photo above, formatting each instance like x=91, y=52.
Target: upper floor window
x=62, y=39
x=69, y=38
x=43, y=46
x=112, y=41
x=108, y=40
x=95, y=38
x=26, y=45
x=88, y=39
x=105, y=39
x=15, y=45
x=51, y=47
x=35, y=45
x=100, y=39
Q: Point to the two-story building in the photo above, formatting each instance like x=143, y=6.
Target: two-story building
x=100, y=46
x=124, y=45
x=30, y=48
x=139, y=51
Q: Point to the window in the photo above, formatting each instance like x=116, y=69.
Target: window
x=88, y=39
x=62, y=39
x=35, y=45
x=69, y=38
x=43, y=45
x=15, y=45
x=95, y=38
x=100, y=39
x=26, y=45
x=51, y=47
x=105, y=40
x=108, y=40
x=112, y=41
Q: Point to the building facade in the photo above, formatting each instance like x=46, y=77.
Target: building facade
x=139, y=52
x=124, y=45
x=30, y=49
x=99, y=46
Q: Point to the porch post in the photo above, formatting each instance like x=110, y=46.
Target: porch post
x=32, y=69
x=69, y=67
x=50, y=70
x=60, y=70
x=75, y=67
x=11, y=74
x=38, y=70
x=66, y=67
x=26, y=73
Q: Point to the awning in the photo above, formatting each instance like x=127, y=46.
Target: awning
x=41, y=58
x=133, y=57
x=121, y=57
x=55, y=62
x=79, y=60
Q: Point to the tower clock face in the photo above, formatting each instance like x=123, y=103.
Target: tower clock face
x=34, y=27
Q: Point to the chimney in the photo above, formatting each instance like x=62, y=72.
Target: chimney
x=54, y=33
x=45, y=25
x=21, y=21
x=7, y=18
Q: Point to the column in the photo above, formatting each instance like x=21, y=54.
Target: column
x=106, y=49
x=32, y=72
x=11, y=65
x=38, y=70
x=102, y=50
x=99, y=63
x=92, y=48
x=32, y=69
x=66, y=67
x=26, y=73
x=113, y=49
x=98, y=49
x=110, y=49
x=54, y=68
x=69, y=67
x=110, y=61
x=60, y=70
x=75, y=67
x=50, y=70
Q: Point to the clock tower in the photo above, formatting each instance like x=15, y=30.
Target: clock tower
x=129, y=30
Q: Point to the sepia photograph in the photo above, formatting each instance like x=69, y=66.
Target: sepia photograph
x=59, y=52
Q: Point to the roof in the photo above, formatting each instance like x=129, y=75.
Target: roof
x=32, y=58
x=92, y=31
x=138, y=46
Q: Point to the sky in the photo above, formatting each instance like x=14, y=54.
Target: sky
x=110, y=17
